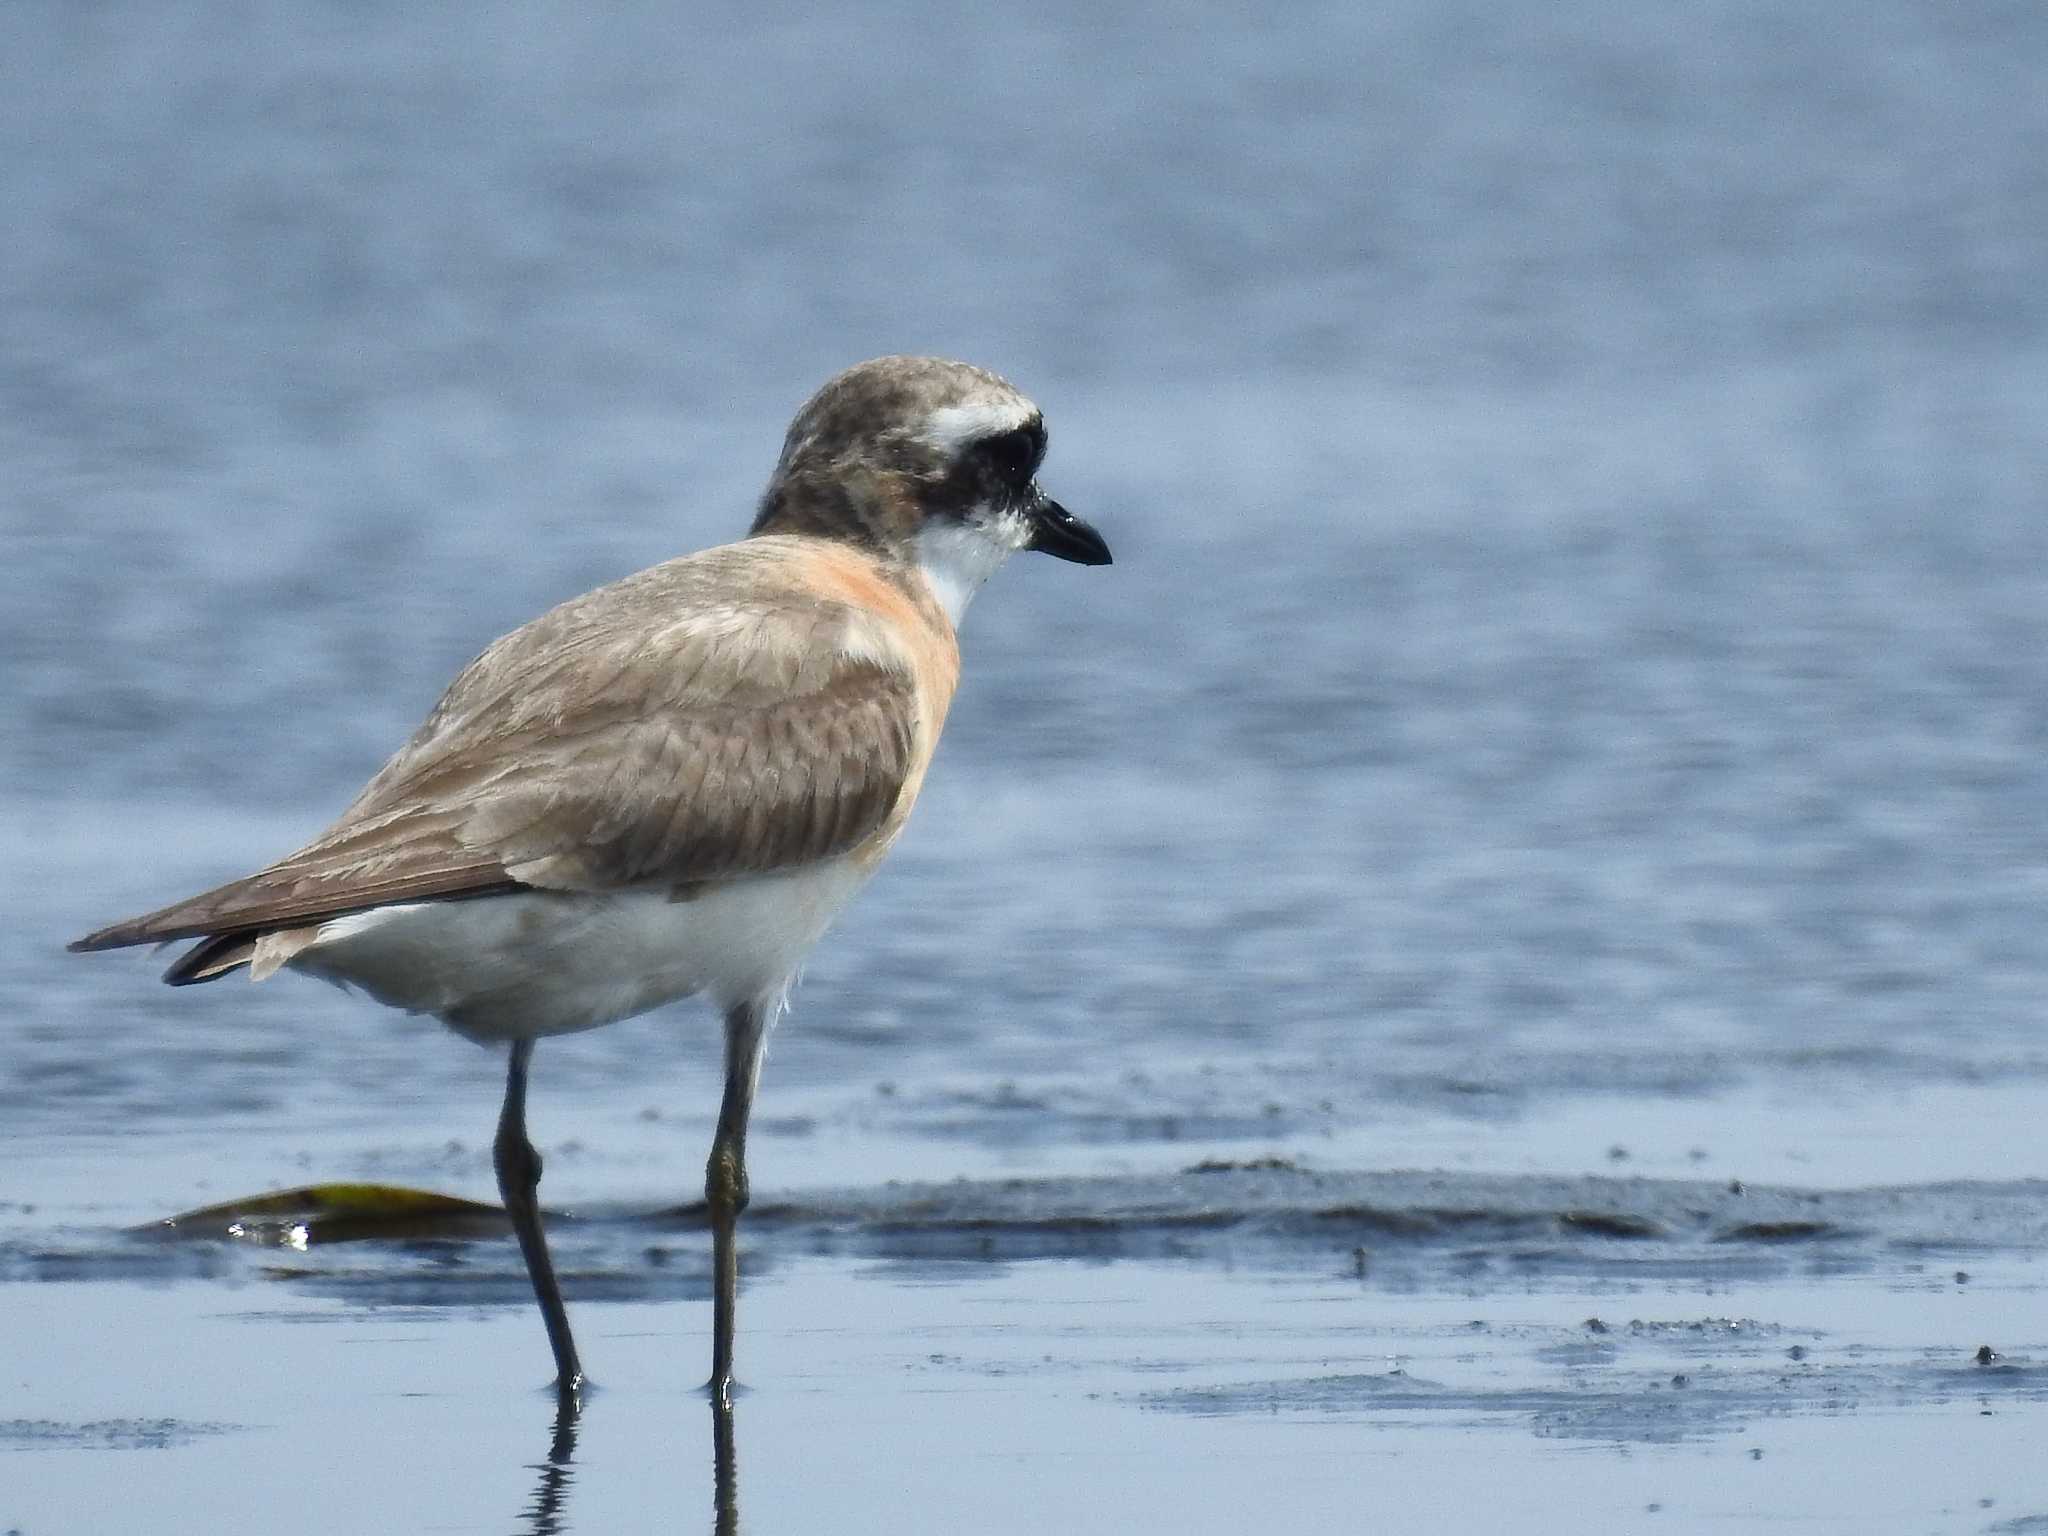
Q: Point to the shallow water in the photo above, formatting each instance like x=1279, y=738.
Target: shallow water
x=1228, y=1347
x=1567, y=716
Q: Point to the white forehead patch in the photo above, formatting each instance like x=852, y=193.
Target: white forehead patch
x=952, y=427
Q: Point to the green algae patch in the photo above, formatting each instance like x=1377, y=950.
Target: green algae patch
x=334, y=1213
x=1609, y=1224
x=1780, y=1232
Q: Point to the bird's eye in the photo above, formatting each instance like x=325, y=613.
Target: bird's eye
x=1015, y=454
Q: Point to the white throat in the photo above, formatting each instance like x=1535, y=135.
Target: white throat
x=957, y=558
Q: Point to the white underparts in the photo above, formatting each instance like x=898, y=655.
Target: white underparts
x=548, y=963
x=958, y=558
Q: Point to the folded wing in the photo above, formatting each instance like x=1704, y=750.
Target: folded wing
x=656, y=733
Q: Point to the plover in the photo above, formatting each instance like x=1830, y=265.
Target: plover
x=672, y=784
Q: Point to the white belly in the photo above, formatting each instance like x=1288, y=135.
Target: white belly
x=547, y=963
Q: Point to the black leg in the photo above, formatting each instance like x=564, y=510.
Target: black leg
x=518, y=1180
x=725, y=1183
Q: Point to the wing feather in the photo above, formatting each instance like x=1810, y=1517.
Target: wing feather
x=658, y=732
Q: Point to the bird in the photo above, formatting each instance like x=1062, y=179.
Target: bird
x=671, y=785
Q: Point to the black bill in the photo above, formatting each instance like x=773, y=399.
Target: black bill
x=1056, y=531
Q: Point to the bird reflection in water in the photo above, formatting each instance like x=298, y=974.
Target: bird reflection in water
x=547, y=1513
x=725, y=1471
x=544, y=1516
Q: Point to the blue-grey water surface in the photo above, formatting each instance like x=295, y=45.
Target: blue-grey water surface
x=1572, y=701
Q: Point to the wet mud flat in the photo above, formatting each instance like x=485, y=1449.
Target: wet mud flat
x=1404, y=1231
x=1235, y=1342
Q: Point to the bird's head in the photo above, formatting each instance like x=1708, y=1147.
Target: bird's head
x=927, y=462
